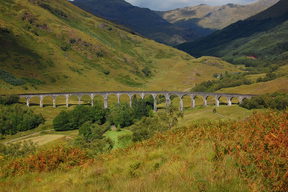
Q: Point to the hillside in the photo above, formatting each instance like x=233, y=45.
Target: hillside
x=257, y=41
x=141, y=20
x=51, y=46
x=214, y=17
x=247, y=155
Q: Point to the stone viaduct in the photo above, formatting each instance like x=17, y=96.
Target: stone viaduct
x=142, y=94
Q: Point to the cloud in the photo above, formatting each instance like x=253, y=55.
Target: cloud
x=173, y=4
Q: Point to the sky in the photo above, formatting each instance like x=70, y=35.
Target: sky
x=163, y=5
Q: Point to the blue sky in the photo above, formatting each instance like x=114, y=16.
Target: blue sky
x=173, y=4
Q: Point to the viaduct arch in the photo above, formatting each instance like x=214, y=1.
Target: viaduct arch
x=142, y=94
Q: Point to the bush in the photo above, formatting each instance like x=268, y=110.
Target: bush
x=17, y=118
x=261, y=149
x=226, y=80
x=17, y=149
x=47, y=160
x=277, y=101
x=9, y=99
x=147, y=72
x=76, y=118
x=91, y=138
x=162, y=121
x=91, y=131
x=121, y=115
x=142, y=107
x=62, y=122
x=268, y=77
x=9, y=78
x=94, y=147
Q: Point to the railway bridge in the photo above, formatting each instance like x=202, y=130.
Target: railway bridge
x=142, y=94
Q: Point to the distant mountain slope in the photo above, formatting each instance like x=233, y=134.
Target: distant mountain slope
x=55, y=46
x=255, y=41
x=141, y=20
x=214, y=17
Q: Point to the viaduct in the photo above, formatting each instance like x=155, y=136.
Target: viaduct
x=142, y=94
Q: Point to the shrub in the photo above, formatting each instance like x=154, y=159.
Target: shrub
x=17, y=118
x=268, y=77
x=47, y=160
x=147, y=72
x=91, y=131
x=62, y=122
x=33, y=81
x=162, y=121
x=94, y=147
x=8, y=100
x=277, y=101
x=76, y=118
x=261, y=143
x=142, y=107
x=91, y=138
x=9, y=78
x=17, y=149
x=121, y=115
x=226, y=80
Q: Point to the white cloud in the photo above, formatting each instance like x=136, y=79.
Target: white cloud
x=172, y=4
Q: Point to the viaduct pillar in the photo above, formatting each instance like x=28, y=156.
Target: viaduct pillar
x=105, y=101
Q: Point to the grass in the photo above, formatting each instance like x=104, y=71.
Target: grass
x=116, y=135
x=222, y=113
x=212, y=157
x=279, y=84
x=80, y=67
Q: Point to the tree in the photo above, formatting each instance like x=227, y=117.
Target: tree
x=92, y=131
x=277, y=101
x=162, y=121
x=62, y=122
x=9, y=99
x=142, y=107
x=121, y=115
x=17, y=118
x=76, y=118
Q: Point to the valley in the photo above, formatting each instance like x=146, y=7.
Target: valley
x=102, y=95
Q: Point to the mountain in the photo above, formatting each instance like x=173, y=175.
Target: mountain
x=51, y=46
x=141, y=20
x=257, y=41
x=214, y=17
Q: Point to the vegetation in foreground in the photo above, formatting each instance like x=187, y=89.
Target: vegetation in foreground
x=248, y=155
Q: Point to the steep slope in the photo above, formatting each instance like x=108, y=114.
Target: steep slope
x=141, y=20
x=256, y=41
x=214, y=17
x=55, y=46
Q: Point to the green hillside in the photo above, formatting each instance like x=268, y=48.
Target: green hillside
x=256, y=42
x=214, y=17
x=54, y=46
x=141, y=20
